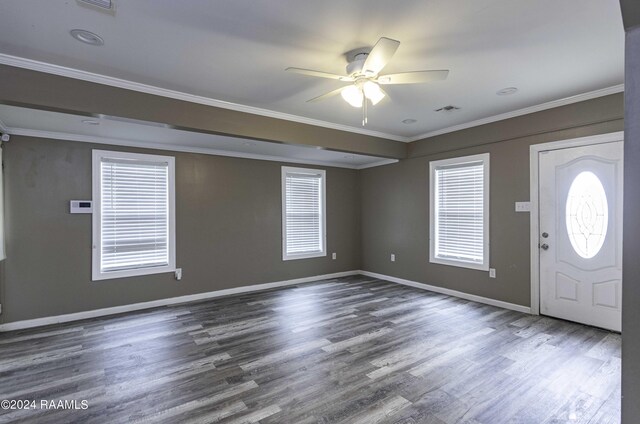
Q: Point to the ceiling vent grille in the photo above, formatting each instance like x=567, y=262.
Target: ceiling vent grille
x=102, y=4
x=448, y=109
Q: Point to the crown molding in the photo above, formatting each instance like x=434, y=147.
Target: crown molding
x=525, y=111
x=178, y=148
x=49, y=68
x=63, y=71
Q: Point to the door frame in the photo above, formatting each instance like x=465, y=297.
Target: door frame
x=534, y=154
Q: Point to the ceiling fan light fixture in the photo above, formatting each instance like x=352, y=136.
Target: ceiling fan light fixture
x=363, y=72
x=373, y=92
x=353, y=95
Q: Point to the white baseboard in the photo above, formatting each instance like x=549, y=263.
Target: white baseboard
x=449, y=292
x=39, y=322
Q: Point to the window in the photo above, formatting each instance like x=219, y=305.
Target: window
x=134, y=214
x=459, y=226
x=303, y=213
x=587, y=214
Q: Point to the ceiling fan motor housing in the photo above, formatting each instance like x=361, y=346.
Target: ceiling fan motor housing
x=355, y=65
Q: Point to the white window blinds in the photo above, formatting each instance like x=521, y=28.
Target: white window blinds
x=303, y=213
x=459, y=209
x=135, y=222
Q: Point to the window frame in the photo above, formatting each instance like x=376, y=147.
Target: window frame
x=323, y=210
x=97, y=274
x=433, y=167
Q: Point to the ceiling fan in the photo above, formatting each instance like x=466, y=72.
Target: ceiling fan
x=363, y=76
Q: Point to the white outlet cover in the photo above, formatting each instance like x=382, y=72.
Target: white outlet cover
x=523, y=206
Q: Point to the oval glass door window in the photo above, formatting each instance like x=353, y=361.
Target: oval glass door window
x=587, y=214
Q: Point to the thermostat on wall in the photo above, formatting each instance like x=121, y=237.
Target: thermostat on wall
x=80, y=206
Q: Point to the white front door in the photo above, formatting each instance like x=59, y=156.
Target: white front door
x=580, y=201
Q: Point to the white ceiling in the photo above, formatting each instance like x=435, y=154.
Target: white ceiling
x=236, y=51
x=113, y=131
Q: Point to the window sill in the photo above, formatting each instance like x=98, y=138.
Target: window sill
x=99, y=276
x=304, y=256
x=460, y=264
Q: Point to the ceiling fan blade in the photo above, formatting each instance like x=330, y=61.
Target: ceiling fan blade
x=320, y=74
x=380, y=55
x=415, y=77
x=327, y=95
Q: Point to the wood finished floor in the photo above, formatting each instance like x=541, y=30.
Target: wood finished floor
x=350, y=350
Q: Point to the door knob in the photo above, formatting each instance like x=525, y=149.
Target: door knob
x=545, y=235
x=544, y=246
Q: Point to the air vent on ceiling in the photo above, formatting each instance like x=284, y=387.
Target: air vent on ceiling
x=448, y=109
x=104, y=5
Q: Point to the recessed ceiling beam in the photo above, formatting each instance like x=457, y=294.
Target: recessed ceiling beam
x=39, y=90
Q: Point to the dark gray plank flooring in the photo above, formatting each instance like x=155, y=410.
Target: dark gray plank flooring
x=350, y=350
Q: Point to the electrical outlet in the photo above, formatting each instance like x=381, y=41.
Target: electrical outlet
x=178, y=274
x=393, y=257
x=492, y=273
x=523, y=206
x=333, y=256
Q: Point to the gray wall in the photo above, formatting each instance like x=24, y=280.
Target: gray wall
x=630, y=13
x=395, y=199
x=228, y=218
x=228, y=214
x=631, y=264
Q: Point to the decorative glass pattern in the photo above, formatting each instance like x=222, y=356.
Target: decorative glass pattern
x=587, y=214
